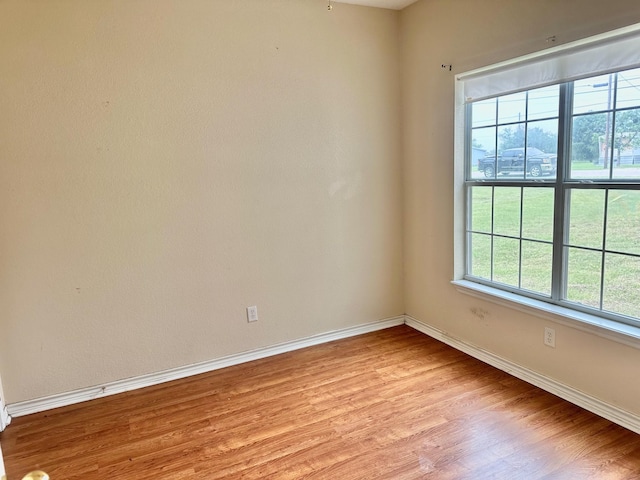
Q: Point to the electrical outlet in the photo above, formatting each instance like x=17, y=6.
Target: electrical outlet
x=252, y=314
x=550, y=337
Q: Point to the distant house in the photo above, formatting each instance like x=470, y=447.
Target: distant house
x=628, y=156
x=477, y=154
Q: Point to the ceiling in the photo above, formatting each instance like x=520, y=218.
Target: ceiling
x=392, y=4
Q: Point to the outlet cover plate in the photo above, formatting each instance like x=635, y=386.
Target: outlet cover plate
x=550, y=337
x=252, y=314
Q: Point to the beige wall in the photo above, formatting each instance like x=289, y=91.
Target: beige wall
x=470, y=34
x=166, y=163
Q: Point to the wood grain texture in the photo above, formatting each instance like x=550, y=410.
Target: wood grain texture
x=393, y=404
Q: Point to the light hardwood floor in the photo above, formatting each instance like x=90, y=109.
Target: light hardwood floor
x=393, y=404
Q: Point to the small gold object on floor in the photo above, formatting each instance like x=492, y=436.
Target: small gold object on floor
x=37, y=475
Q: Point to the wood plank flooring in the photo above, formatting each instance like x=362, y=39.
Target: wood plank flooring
x=393, y=404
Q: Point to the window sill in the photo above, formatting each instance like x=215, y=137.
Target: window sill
x=609, y=329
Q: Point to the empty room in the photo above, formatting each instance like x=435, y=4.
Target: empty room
x=286, y=239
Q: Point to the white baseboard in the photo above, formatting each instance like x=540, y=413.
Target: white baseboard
x=69, y=398
x=594, y=405
x=5, y=419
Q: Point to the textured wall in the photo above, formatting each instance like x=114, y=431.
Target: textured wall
x=469, y=34
x=166, y=163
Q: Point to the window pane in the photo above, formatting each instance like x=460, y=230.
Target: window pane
x=480, y=248
x=583, y=277
x=512, y=108
x=543, y=103
x=537, y=214
x=626, y=153
x=506, y=260
x=536, y=267
x=510, y=160
x=506, y=211
x=628, y=89
x=588, y=146
x=483, y=149
x=543, y=135
x=593, y=94
x=623, y=221
x=542, y=145
x=620, y=293
x=483, y=113
x=511, y=136
x=586, y=218
x=481, y=209
x=484, y=139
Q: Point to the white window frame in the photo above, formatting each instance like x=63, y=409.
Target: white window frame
x=606, y=327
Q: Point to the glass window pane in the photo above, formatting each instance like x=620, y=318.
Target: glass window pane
x=506, y=260
x=543, y=135
x=511, y=136
x=480, y=248
x=628, y=94
x=586, y=218
x=486, y=167
x=506, y=211
x=481, y=201
x=588, y=146
x=623, y=221
x=620, y=294
x=583, y=277
x=512, y=108
x=483, y=147
x=536, y=267
x=537, y=213
x=542, y=145
x=626, y=142
x=483, y=113
x=593, y=94
x=543, y=103
x=510, y=160
x=484, y=139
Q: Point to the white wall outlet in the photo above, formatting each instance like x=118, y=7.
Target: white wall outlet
x=550, y=337
x=252, y=314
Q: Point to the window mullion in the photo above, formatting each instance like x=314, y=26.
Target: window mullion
x=561, y=206
x=520, y=234
x=604, y=246
x=493, y=206
x=611, y=120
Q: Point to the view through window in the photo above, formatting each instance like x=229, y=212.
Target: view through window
x=553, y=194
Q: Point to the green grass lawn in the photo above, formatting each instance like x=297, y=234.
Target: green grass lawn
x=515, y=247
